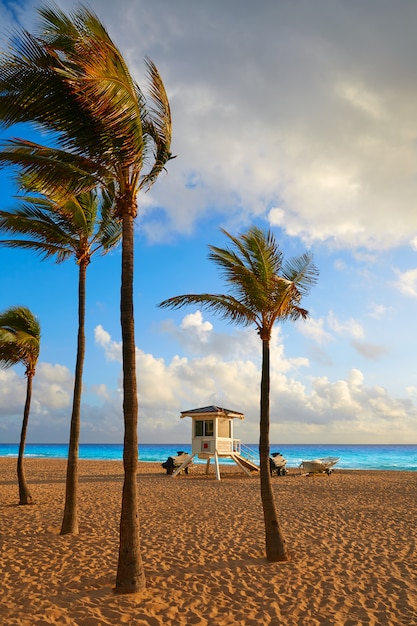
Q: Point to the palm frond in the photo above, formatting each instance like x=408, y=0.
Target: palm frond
x=109, y=226
x=9, y=355
x=51, y=169
x=226, y=306
x=71, y=81
x=49, y=233
x=301, y=271
x=157, y=125
x=261, y=291
x=32, y=90
x=44, y=250
x=93, y=67
x=61, y=226
x=250, y=267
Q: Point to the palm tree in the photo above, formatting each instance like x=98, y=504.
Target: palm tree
x=72, y=81
x=75, y=227
x=20, y=335
x=263, y=290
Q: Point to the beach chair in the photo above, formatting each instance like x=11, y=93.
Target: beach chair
x=277, y=464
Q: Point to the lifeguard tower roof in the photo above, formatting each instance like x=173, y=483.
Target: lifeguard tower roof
x=212, y=411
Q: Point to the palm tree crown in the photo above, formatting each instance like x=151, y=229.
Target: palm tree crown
x=63, y=227
x=263, y=288
x=19, y=339
x=72, y=82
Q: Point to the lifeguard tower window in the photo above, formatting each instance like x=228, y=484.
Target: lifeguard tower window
x=204, y=428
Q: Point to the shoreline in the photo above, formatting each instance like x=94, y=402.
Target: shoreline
x=352, y=456
x=350, y=535
x=199, y=465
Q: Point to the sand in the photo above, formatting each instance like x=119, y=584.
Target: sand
x=351, y=538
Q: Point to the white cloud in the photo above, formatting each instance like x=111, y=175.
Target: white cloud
x=369, y=350
x=351, y=327
x=112, y=349
x=378, y=311
x=356, y=378
x=51, y=389
x=304, y=408
x=198, y=338
x=101, y=391
x=50, y=409
x=314, y=330
x=12, y=392
x=283, y=107
x=407, y=282
x=412, y=391
x=340, y=265
x=194, y=322
x=320, y=410
x=101, y=336
x=359, y=97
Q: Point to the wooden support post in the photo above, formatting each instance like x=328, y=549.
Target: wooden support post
x=183, y=465
x=216, y=463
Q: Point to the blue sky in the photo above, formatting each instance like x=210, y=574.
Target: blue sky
x=299, y=117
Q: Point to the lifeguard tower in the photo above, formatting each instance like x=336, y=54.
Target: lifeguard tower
x=212, y=438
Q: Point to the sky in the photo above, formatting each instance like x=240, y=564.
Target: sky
x=296, y=116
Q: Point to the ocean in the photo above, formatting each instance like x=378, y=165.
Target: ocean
x=370, y=457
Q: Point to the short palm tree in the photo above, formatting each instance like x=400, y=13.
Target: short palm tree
x=20, y=336
x=75, y=227
x=263, y=290
x=72, y=81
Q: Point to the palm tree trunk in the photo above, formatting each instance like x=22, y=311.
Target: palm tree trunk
x=70, y=519
x=276, y=549
x=24, y=493
x=130, y=573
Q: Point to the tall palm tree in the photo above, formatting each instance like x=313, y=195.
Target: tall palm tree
x=263, y=290
x=72, y=81
x=77, y=227
x=20, y=336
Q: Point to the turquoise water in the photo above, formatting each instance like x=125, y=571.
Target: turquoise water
x=375, y=457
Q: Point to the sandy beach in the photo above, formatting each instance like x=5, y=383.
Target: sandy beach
x=351, y=538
